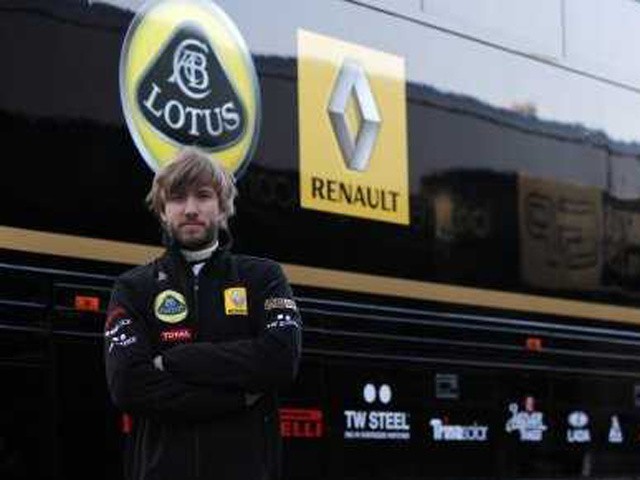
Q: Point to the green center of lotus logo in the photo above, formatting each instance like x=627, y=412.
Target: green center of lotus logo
x=186, y=78
x=170, y=306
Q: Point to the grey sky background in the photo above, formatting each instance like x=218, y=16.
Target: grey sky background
x=571, y=60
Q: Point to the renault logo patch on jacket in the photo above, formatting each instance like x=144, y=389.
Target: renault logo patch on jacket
x=235, y=301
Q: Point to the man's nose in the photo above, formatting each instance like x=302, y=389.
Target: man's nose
x=191, y=205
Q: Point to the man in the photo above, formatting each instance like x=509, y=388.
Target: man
x=198, y=342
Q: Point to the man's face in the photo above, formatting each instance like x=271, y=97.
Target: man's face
x=192, y=217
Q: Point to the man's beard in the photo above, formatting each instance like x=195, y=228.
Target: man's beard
x=191, y=242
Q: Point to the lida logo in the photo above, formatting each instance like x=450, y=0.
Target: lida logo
x=187, y=95
x=353, y=153
x=186, y=78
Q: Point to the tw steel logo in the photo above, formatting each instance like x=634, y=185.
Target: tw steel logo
x=301, y=423
x=187, y=96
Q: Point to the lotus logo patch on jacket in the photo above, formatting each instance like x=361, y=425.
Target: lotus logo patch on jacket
x=235, y=301
x=170, y=306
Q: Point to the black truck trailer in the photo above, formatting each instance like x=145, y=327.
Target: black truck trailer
x=453, y=192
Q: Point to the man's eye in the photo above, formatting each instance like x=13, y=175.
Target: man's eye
x=176, y=197
x=205, y=194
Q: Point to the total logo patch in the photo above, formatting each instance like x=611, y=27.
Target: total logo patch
x=187, y=78
x=235, y=301
x=170, y=306
x=176, y=335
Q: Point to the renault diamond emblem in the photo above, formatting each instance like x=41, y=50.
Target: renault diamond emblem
x=352, y=80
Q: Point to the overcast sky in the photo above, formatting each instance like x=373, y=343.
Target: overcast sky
x=572, y=60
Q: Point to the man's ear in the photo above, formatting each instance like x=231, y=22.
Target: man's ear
x=221, y=220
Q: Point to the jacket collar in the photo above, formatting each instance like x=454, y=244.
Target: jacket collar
x=176, y=258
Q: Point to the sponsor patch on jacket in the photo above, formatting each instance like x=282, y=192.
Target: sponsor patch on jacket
x=176, y=335
x=114, y=312
x=277, y=303
x=283, y=320
x=170, y=306
x=118, y=334
x=235, y=301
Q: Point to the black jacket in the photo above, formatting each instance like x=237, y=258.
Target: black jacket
x=231, y=331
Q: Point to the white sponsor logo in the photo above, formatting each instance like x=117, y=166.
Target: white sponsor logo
x=123, y=322
x=615, y=432
x=283, y=320
x=578, y=431
x=373, y=424
x=118, y=338
x=442, y=432
x=528, y=423
x=278, y=302
x=369, y=393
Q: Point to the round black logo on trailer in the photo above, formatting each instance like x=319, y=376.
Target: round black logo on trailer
x=187, y=78
x=186, y=94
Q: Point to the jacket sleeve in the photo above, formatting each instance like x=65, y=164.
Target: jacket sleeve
x=264, y=363
x=136, y=386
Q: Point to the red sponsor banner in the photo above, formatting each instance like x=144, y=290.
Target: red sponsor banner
x=301, y=423
x=126, y=423
x=86, y=303
x=176, y=335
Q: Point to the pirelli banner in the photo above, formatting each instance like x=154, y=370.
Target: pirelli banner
x=560, y=230
x=352, y=119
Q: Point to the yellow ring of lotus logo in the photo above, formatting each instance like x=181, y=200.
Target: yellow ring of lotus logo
x=170, y=306
x=187, y=78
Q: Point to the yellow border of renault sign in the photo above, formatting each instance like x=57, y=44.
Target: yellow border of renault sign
x=151, y=31
x=352, y=120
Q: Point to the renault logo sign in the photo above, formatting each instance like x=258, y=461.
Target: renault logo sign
x=352, y=120
x=187, y=78
x=352, y=83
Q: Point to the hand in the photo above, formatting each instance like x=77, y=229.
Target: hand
x=157, y=362
x=251, y=398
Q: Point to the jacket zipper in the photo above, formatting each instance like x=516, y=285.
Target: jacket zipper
x=196, y=302
x=197, y=449
x=196, y=288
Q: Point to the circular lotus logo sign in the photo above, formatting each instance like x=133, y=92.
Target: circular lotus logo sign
x=187, y=78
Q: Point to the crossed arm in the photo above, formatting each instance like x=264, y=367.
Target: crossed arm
x=200, y=379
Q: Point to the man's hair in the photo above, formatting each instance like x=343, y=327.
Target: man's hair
x=191, y=167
